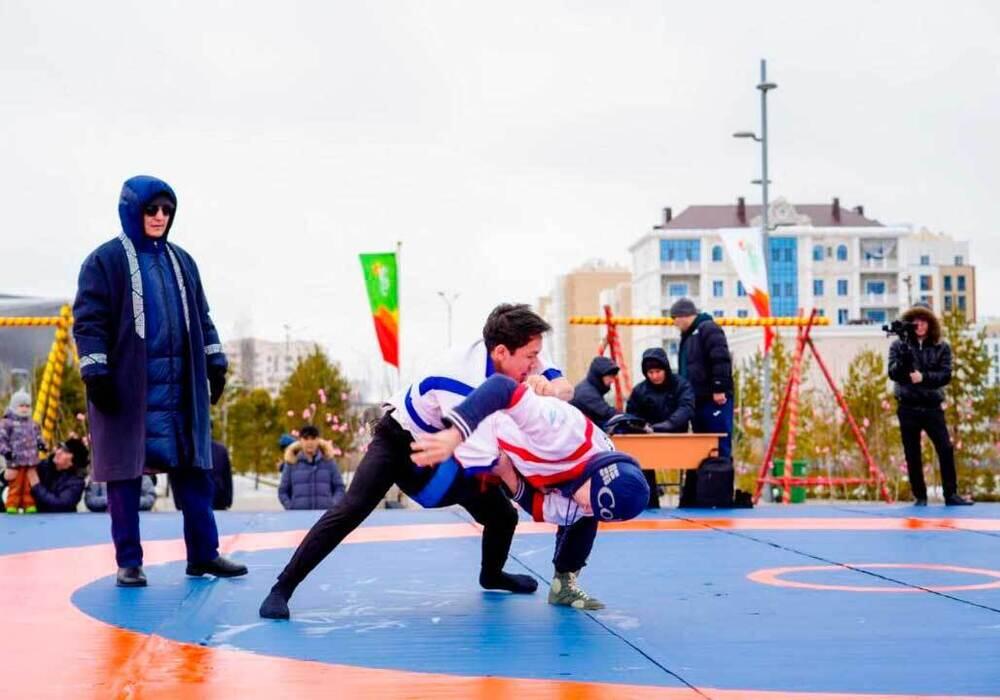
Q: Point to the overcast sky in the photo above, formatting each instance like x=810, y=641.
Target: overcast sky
x=502, y=143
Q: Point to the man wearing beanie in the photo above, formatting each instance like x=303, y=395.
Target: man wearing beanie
x=567, y=471
x=704, y=360
x=920, y=366
x=152, y=362
x=664, y=400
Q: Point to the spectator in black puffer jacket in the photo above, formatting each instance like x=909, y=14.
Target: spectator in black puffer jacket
x=921, y=368
x=704, y=360
x=310, y=479
x=664, y=400
x=57, y=482
x=588, y=395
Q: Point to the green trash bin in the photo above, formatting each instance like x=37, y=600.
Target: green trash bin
x=799, y=467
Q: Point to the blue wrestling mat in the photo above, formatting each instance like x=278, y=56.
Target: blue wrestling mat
x=794, y=602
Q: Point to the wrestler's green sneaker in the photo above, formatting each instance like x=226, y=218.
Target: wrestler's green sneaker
x=565, y=591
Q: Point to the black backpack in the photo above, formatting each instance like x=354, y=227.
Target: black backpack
x=710, y=485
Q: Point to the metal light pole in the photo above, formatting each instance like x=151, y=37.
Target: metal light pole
x=764, y=86
x=448, y=299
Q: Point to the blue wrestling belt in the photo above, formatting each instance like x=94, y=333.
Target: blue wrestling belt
x=435, y=489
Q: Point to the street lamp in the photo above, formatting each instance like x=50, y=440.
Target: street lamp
x=763, y=86
x=448, y=299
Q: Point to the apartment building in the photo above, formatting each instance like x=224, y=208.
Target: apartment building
x=852, y=268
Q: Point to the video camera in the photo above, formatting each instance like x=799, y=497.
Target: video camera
x=904, y=330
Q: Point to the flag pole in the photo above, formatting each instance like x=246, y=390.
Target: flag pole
x=399, y=325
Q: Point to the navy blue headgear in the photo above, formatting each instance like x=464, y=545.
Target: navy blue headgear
x=618, y=489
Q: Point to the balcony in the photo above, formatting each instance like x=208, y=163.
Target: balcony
x=875, y=299
x=879, y=264
x=680, y=266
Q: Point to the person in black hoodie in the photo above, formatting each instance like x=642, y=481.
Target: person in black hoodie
x=588, y=395
x=921, y=367
x=57, y=481
x=704, y=360
x=664, y=400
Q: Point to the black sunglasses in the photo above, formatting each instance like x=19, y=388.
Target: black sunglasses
x=151, y=209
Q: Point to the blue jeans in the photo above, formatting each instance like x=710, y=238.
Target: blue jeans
x=194, y=490
x=709, y=417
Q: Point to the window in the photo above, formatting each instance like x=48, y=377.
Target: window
x=677, y=289
x=841, y=316
x=928, y=300
x=742, y=313
x=841, y=288
x=947, y=283
x=718, y=289
x=959, y=260
x=717, y=253
x=925, y=260
x=783, y=275
x=818, y=253
x=925, y=283
x=718, y=313
x=875, y=287
x=876, y=315
x=680, y=250
x=817, y=288
x=740, y=289
x=821, y=312
x=961, y=302
x=961, y=283
x=947, y=303
x=842, y=252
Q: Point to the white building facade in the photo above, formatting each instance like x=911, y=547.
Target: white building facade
x=265, y=364
x=852, y=269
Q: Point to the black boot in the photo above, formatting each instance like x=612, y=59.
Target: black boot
x=920, y=501
x=220, y=566
x=131, y=577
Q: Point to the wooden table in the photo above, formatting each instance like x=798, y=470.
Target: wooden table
x=668, y=451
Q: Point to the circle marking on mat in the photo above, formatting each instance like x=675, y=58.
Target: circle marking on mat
x=773, y=577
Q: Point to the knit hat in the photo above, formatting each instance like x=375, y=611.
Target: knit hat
x=20, y=398
x=285, y=440
x=618, y=489
x=683, y=307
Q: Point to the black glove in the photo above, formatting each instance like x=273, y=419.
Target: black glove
x=101, y=392
x=216, y=383
x=664, y=427
x=9, y=457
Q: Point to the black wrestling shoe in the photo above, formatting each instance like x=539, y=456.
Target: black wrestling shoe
x=220, y=566
x=956, y=500
x=130, y=577
x=274, y=607
x=920, y=502
x=502, y=581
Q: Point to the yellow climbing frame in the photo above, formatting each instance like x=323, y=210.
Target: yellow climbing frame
x=47, y=404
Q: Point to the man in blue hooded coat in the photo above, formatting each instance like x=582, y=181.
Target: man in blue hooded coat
x=151, y=359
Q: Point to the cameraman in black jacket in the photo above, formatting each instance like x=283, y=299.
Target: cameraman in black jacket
x=920, y=365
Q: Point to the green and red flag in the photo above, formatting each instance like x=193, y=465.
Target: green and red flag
x=383, y=295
